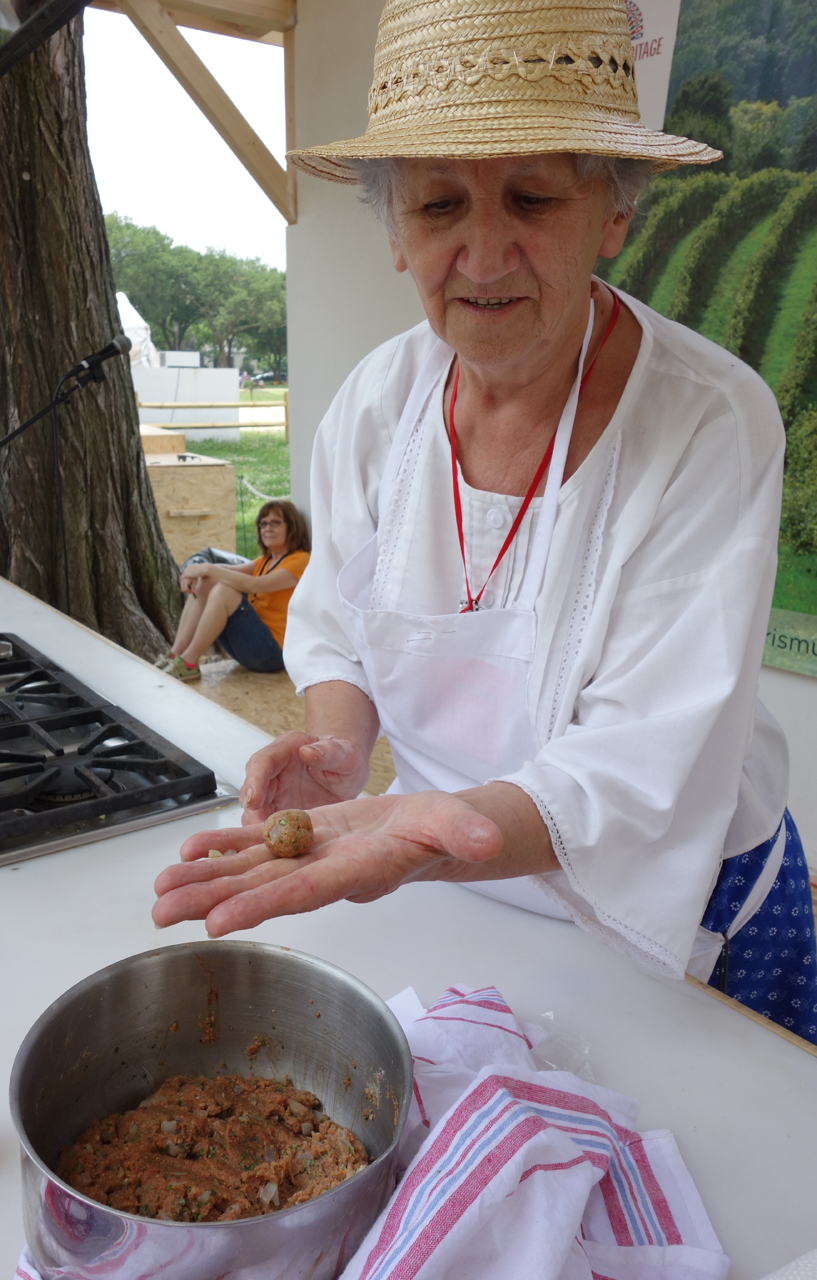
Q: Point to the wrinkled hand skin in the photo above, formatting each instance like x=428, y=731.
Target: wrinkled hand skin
x=363, y=850
x=301, y=771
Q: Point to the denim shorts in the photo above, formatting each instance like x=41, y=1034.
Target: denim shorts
x=250, y=642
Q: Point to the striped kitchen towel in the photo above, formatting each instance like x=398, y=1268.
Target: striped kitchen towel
x=527, y=1173
x=510, y=1173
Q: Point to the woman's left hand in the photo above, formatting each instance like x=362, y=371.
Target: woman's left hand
x=363, y=849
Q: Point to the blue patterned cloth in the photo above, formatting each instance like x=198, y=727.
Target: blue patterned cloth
x=771, y=965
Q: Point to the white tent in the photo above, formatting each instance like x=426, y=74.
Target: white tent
x=143, y=354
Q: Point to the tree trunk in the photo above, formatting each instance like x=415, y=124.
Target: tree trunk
x=57, y=304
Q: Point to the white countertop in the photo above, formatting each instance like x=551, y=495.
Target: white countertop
x=740, y=1100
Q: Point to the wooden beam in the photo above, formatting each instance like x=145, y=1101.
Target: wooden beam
x=162, y=34
x=262, y=15
x=265, y=20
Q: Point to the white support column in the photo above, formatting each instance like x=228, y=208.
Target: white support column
x=343, y=296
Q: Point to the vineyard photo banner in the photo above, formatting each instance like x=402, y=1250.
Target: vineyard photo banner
x=732, y=251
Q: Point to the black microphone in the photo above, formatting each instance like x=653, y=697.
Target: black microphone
x=118, y=346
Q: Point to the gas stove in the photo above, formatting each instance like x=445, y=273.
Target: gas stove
x=75, y=768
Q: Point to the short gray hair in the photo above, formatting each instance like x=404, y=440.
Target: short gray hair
x=381, y=179
x=626, y=179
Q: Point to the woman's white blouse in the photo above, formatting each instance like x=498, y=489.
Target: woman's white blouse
x=656, y=758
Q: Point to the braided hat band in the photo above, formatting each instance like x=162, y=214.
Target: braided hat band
x=473, y=79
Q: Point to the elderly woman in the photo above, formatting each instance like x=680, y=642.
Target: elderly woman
x=545, y=527
x=244, y=607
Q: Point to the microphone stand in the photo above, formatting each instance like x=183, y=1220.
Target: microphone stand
x=94, y=374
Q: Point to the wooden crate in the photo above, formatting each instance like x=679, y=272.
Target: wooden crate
x=195, y=498
x=157, y=440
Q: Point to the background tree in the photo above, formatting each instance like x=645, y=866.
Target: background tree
x=766, y=49
x=802, y=114
x=205, y=301
x=268, y=348
x=758, y=129
x=767, y=135
x=161, y=279
x=240, y=299
x=267, y=340
x=702, y=110
x=57, y=304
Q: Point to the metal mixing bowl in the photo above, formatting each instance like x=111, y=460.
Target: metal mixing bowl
x=194, y=1010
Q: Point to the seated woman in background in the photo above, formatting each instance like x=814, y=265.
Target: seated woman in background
x=244, y=607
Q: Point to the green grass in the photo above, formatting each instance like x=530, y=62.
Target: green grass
x=662, y=294
x=262, y=395
x=262, y=457
x=795, y=587
x=789, y=315
x=715, y=321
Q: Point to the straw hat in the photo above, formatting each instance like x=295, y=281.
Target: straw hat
x=477, y=78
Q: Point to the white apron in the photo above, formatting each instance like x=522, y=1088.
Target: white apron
x=451, y=689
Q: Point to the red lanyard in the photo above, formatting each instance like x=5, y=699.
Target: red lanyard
x=473, y=604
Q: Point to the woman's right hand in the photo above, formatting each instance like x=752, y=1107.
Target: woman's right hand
x=188, y=582
x=301, y=771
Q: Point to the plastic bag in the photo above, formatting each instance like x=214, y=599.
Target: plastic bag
x=563, y=1049
x=214, y=555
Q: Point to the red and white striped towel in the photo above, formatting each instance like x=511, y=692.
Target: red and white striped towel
x=524, y=1173
x=518, y=1174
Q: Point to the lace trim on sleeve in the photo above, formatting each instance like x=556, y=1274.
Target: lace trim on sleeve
x=588, y=915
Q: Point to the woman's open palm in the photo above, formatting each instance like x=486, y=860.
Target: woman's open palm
x=363, y=849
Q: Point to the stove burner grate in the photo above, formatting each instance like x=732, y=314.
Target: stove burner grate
x=60, y=784
x=32, y=686
x=80, y=768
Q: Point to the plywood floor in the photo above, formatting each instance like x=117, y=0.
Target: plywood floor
x=269, y=702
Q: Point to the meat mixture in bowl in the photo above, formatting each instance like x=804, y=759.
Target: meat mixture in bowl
x=201, y=1150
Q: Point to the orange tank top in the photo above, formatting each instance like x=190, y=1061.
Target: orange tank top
x=271, y=606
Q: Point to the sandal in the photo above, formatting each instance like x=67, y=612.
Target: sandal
x=179, y=669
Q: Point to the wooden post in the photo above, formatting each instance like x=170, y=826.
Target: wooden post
x=289, y=98
x=289, y=101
